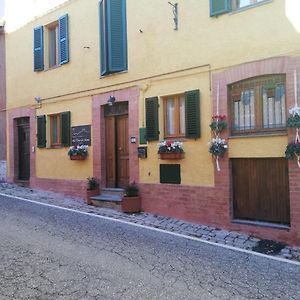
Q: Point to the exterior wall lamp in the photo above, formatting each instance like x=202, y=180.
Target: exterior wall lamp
x=111, y=100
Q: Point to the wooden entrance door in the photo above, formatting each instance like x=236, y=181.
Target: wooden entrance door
x=261, y=189
x=117, y=154
x=23, y=149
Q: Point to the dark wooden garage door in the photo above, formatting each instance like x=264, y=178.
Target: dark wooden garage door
x=261, y=189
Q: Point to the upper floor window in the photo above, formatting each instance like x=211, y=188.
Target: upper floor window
x=244, y=3
x=218, y=7
x=113, y=36
x=258, y=104
x=51, y=45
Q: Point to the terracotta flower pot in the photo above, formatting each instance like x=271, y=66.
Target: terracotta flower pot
x=131, y=204
x=91, y=193
x=77, y=157
x=171, y=155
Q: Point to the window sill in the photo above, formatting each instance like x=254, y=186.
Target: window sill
x=52, y=68
x=258, y=135
x=55, y=147
x=238, y=10
x=113, y=74
x=261, y=224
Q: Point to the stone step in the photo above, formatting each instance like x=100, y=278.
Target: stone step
x=107, y=200
x=113, y=191
x=107, y=197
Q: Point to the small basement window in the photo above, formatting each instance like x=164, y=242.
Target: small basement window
x=170, y=173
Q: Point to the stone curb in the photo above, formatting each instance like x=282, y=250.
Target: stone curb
x=208, y=233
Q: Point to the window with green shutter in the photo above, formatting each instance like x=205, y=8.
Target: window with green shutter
x=41, y=131
x=152, y=131
x=113, y=36
x=219, y=7
x=56, y=35
x=60, y=129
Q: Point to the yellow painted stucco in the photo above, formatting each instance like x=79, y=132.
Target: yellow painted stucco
x=154, y=50
x=263, y=146
x=196, y=167
x=55, y=163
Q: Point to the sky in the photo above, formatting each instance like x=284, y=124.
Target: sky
x=20, y=12
x=1, y=8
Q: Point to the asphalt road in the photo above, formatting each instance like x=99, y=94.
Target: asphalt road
x=48, y=253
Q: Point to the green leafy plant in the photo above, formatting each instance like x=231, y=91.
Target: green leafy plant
x=81, y=150
x=294, y=121
x=131, y=190
x=292, y=150
x=218, y=147
x=169, y=146
x=92, y=183
x=218, y=123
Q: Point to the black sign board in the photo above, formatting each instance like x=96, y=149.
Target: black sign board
x=81, y=135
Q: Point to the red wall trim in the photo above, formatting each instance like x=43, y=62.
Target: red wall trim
x=12, y=116
x=132, y=96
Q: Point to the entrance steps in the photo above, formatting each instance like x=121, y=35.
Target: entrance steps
x=109, y=198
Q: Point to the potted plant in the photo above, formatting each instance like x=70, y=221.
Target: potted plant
x=217, y=148
x=131, y=201
x=218, y=123
x=293, y=151
x=293, y=121
x=78, y=152
x=168, y=149
x=92, y=189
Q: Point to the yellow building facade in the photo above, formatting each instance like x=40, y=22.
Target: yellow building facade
x=156, y=71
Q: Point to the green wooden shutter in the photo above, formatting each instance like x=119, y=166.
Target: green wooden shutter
x=38, y=48
x=117, y=35
x=192, y=114
x=65, y=128
x=63, y=29
x=143, y=136
x=103, y=38
x=152, y=119
x=218, y=7
x=113, y=36
x=41, y=131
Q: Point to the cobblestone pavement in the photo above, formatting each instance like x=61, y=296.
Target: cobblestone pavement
x=207, y=233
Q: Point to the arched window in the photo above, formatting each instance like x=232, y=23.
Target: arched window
x=258, y=105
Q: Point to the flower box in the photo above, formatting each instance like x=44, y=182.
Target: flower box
x=77, y=157
x=171, y=155
x=78, y=152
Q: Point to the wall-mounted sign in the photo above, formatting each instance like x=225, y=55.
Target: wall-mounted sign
x=81, y=135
